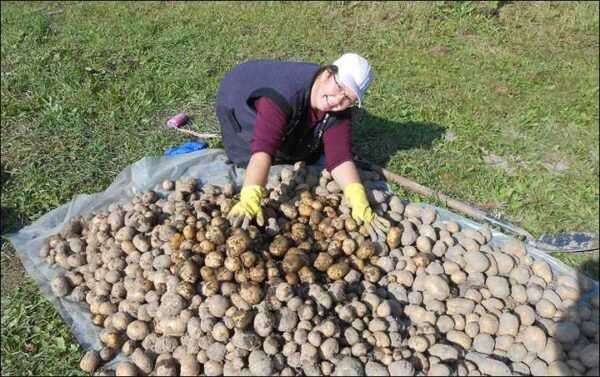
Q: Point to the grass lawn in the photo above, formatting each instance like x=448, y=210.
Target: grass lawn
x=499, y=111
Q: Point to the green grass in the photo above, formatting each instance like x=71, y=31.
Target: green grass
x=85, y=88
x=35, y=341
x=95, y=82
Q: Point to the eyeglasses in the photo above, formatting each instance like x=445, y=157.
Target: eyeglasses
x=346, y=101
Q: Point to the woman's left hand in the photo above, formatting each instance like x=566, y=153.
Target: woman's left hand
x=378, y=228
x=362, y=212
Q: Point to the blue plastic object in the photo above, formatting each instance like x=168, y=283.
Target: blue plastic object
x=190, y=146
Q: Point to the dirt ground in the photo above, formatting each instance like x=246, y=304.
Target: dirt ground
x=11, y=270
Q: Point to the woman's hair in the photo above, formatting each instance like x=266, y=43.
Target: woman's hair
x=332, y=69
x=328, y=67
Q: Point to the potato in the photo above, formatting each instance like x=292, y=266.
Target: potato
x=142, y=361
x=120, y=320
x=251, y=293
x=409, y=236
x=566, y=332
x=483, y=343
x=218, y=305
x=323, y=262
x=534, y=339
x=444, y=324
x=424, y=244
x=545, y=308
x=396, y=205
x=422, y=260
x=171, y=326
x=488, y=324
x=401, y=368
x=412, y=210
x=166, y=366
x=498, y=286
x=263, y=323
x=299, y=232
x=418, y=343
x=289, y=211
x=305, y=275
x=394, y=237
x=428, y=215
x=337, y=271
x=280, y=245
x=189, y=272
x=238, y=243
x=459, y=306
x=90, y=361
x=371, y=273
x=508, y=324
x=460, y=338
x=542, y=269
x=589, y=355
x=111, y=338
x=214, y=259
x=125, y=368
x=443, y=351
x=60, y=286
x=526, y=314
x=521, y=274
x=137, y=330
x=477, y=261
x=514, y=247
x=293, y=261
x=487, y=365
x=189, y=366
x=260, y=363
x=141, y=242
x=436, y=286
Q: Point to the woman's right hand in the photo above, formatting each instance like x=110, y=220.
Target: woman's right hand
x=248, y=207
x=252, y=193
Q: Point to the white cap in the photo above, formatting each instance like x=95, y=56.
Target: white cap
x=355, y=72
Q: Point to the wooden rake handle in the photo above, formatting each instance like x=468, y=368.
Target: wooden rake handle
x=207, y=135
x=465, y=208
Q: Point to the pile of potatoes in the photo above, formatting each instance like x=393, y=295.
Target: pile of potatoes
x=180, y=292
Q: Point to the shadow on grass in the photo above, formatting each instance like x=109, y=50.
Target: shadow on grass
x=10, y=219
x=590, y=267
x=584, y=263
x=379, y=139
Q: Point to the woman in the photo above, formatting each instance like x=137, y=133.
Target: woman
x=284, y=112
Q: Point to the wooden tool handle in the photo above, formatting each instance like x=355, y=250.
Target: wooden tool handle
x=426, y=191
x=207, y=135
x=468, y=210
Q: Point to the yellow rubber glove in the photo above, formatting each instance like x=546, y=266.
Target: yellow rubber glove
x=248, y=207
x=357, y=196
x=362, y=212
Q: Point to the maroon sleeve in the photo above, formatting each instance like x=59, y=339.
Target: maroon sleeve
x=269, y=127
x=337, y=142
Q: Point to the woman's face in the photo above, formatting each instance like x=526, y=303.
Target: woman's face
x=331, y=95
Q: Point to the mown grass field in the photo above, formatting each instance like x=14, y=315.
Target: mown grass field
x=499, y=111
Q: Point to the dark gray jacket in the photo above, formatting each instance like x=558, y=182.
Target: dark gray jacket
x=288, y=84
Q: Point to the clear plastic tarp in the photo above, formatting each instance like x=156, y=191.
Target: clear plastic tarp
x=207, y=166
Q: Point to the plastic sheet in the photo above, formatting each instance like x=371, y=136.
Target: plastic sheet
x=207, y=166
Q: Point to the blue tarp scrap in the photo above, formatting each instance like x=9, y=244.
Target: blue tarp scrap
x=189, y=146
